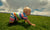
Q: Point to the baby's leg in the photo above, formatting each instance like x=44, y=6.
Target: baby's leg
x=12, y=18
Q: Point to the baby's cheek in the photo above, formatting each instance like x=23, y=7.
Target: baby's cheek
x=28, y=14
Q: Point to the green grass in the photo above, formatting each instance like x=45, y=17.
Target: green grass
x=42, y=23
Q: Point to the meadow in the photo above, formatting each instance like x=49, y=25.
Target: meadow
x=42, y=23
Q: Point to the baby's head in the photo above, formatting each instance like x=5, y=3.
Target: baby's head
x=27, y=11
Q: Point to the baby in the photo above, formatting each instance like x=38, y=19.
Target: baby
x=18, y=16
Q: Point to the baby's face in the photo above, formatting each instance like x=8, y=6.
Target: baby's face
x=28, y=13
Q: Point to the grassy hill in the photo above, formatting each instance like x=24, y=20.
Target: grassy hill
x=42, y=23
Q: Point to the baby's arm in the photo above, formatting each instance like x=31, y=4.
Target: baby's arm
x=29, y=22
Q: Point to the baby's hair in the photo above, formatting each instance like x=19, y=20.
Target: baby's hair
x=27, y=8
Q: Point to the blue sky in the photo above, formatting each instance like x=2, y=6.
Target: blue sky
x=1, y=3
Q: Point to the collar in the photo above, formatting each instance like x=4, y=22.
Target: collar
x=23, y=13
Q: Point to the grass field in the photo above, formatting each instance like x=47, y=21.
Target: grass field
x=42, y=23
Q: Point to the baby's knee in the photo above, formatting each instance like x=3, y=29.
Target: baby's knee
x=11, y=22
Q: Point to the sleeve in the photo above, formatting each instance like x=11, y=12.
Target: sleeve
x=25, y=17
x=12, y=18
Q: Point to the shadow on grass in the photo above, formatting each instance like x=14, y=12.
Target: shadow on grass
x=19, y=23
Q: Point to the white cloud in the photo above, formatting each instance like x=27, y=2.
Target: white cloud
x=40, y=13
x=20, y=10
x=32, y=4
x=3, y=1
x=5, y=4
x=48, y=0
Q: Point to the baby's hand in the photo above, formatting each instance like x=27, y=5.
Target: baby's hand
x=33, y=25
